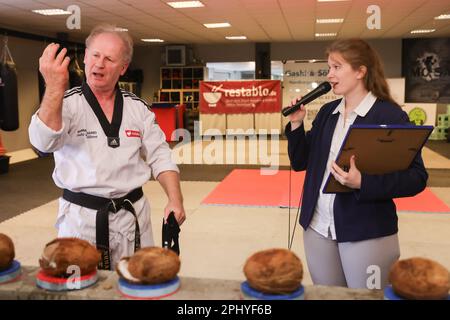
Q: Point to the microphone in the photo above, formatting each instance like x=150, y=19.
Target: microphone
x=321, y=89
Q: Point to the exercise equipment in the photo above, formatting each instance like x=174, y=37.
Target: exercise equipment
x=12, y=273
x=50, y=283
x=9, y=104
x=148, y=291
x=252, y=294
x=76, y=73
x=389, y=294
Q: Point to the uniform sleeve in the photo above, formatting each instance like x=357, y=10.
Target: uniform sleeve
x=44, y=138
x=405, y=183
x=155, y=149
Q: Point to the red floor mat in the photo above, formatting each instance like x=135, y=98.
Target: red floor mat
x=249, y=188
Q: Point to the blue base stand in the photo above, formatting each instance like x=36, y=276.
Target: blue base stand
x=148, y=291
x=389, y=294
x=49, y=283
x=250, y=293
x=12, y=273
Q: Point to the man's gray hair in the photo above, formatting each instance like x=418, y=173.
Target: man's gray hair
x=123, y=35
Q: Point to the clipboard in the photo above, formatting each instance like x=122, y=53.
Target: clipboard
x=379, y=149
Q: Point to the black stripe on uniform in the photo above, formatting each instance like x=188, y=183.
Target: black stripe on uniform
x=135, y=98
x=72, y=91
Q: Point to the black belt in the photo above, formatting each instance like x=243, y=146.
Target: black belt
x=103, y=207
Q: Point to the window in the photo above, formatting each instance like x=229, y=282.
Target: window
x=240, y=70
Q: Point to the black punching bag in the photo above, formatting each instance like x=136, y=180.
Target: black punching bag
x=76, y=73
x=9, y=105
x=41, y=85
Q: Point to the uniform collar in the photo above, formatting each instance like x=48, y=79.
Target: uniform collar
x=363, y=107
x=111, y=130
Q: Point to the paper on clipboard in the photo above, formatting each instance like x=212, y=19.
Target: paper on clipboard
x=379, y=149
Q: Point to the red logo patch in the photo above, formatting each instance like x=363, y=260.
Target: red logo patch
x=133, y=133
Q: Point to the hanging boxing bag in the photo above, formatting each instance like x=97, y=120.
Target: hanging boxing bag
x=76, y=74
x=41, y=86
x=9, y=105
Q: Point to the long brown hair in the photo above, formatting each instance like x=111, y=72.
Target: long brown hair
x=357, y=53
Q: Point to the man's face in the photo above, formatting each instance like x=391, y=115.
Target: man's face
x=104, y=62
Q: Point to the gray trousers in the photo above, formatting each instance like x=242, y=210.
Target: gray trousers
x=360, y=264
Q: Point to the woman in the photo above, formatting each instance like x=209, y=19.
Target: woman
x=350, y=238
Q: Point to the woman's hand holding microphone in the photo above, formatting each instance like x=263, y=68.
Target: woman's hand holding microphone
x=296, y=118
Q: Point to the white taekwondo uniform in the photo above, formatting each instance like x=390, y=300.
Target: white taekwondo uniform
x=85, y=163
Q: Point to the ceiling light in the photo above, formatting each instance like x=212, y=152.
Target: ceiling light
x=217, y=25
x=52, y=12
x=336, y=20
x=152, y=40
x=236, y=37
x=330, y=34
x=442, y=17
x=185, y=4
x=423, y=31
x=121, y=29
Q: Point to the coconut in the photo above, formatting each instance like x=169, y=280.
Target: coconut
x=62, y=253
x=420, y=278
x=150, y=265
x=6, y=252
x=274, y=271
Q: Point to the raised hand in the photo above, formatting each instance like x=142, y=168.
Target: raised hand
x=54, y=67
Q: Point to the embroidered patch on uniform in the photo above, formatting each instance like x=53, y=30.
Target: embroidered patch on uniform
x=133, y=133
x=91, y=134
x=114, y=142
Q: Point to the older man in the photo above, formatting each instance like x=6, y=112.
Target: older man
x=106, y=145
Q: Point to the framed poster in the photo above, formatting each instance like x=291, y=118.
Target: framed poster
x=426, y=68
x=379, y=149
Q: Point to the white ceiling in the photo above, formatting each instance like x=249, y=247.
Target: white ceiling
x=258, y=20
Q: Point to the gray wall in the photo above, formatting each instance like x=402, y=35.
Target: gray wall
x=149, y=60
x=26, y=54
x=390, y=51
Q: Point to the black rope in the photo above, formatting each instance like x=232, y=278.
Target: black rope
x=289, y=208
x=296, y=219
x=291, y=239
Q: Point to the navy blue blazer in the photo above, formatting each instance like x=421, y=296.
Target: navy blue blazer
x=366, y=213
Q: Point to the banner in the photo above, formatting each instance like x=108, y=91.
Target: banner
x=232, y=97
x=426, y=68
x=299, y=79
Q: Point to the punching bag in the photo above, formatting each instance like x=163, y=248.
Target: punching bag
x=41, y=86
x=76, y=73
x=9, y=99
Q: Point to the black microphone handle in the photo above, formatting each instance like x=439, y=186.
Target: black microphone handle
x=288, y=110
x=323, y=88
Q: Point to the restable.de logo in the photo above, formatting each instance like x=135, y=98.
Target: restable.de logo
x=133, y=133
x=213, y=97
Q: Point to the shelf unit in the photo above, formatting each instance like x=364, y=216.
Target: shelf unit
x=181, y=85
x=129, y=86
